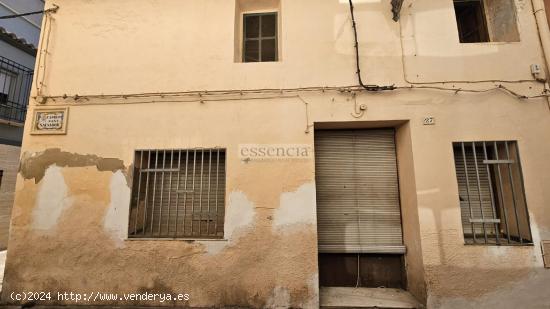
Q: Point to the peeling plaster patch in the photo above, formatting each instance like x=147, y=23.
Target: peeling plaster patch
x=520, y=4
x=213, y=246
x=296, y=207
x=51, y=199
x=535, y=233
x=34, y=165
x=116, y=219
x=544, y=233
x=429, y=191
x=514, y=296
x=426, y=215
x=239, y=214
x=239, y=217
x=279, y=299
x=313, y=284
x=499, y=251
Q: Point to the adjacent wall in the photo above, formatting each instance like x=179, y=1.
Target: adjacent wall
x=9, y=164
x=409, y=213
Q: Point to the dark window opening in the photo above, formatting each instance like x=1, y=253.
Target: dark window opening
x=260, y=37
x=471, y=21
x=491, y=193
x=1, y=175
x=178, y=194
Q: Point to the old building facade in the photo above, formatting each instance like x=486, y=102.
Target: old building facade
x=18, y=43
x=224, y=149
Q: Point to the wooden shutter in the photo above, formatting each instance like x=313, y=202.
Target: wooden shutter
x=357, y=192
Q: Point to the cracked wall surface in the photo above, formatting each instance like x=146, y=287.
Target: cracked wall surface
x=81, y=210
x=69, y=229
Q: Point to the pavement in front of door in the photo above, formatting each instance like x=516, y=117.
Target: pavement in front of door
x=2, y=264
x=330, y=298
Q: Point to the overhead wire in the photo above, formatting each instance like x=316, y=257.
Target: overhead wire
x=407, y=80
x=352, y=89
x=44, y=52
x=357, y=58
x=54, y=9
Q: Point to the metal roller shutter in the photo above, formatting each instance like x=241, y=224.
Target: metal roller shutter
x=357, y=192
x=475, y=192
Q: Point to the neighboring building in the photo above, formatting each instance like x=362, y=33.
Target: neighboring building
x=18, y=41
x=215, y=148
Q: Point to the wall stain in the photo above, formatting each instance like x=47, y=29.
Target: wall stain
x=34, y=165
x=81, y=256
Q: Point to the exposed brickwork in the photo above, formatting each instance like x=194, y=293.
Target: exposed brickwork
x=9, y=163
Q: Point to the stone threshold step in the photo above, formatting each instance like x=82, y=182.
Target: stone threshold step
x=336, y=297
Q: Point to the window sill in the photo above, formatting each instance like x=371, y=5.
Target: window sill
x=500, y=245
x=180, y=239
x=489, y=43
x=12, y=123
x=259, y=62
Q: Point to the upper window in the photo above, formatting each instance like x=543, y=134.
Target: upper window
x=15, y=87
x=7, y=86
x=178, y=194
x=260, y=37
x=486, y=21
x=491, y=193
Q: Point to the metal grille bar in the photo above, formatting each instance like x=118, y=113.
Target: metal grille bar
x=15, y=87
x=492, y=197
x=178, y=194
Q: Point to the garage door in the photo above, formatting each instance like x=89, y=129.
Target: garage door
x=357, y=192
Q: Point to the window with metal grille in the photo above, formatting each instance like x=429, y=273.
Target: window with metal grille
x=15, y=86
x=260, y=37
x=178, y=194
x=491, y=193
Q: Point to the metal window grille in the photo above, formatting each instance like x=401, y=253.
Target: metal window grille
x=491, y=193
x=178, y=194
x=260, y=37
x=15, y=87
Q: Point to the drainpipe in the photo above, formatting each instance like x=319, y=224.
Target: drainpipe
x=544, y=30
x=544, y=36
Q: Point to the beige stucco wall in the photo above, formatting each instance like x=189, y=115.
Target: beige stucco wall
x=71, y=210
x=9, y=164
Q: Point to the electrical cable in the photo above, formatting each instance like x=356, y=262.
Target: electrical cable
x=405, y=76
x=272, y=91
x=54, y=9
x=357, y=62
x=44, y=53
x=242, y=93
